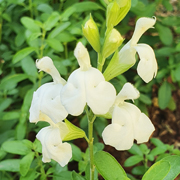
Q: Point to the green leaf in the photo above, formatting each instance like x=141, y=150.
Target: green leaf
x=30, y=24
x=6, y=116
x=25, y=163
x=58, y=29
x=131, y=161
x=76, y=153
x=158, y=171
x=4, y=103
x=172, y=104
x=80, y=7
x=32, y=174
x=55, y=44
x=165, y=34
x=108, y=167
x=156, y=142
x=10, y=165
x=138, y=170
x=51, y=21
x=19, y=39
x=158, y=150
x=135, y=150
x=174, y=161
x=22, y=54
x=45, y=8
x=29, y=67
x=145, y=99
x=87, y=6
x=11, y=81
x=16, y=147
x=76, y=176
x=177, y=73
x=164, y=95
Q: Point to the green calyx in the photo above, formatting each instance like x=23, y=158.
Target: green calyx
x=74, y=132
x=115, y=67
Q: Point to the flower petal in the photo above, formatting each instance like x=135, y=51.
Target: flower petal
x=52, y=146
x=128, y=91
x=120, y=137
x=100, y=94
x=46, y=64
x=82, y=56
x=46, y=100
x=143, y=129
x=73, y=95
x=142, y=25
x=127, y=55
x=147, y=67
x=87, y=86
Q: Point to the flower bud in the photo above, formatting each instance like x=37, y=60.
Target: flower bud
x=112, y=41
x=107, y=1
x=116, y=11
x=91, y=32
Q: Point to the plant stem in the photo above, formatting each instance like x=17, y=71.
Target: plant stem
x=30, y=8
x=43, y=174
x=101, y=61
x=91, y=118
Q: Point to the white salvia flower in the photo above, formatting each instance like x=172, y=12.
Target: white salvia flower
x=147, y=67
x=46, y=100
x=52, y=145
x=128, y=123
x=87, y=85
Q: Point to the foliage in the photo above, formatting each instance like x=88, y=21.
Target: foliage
x=30, y=30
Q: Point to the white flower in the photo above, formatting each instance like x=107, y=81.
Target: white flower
x=128, y=123
x=46, y=100
x=52, y=145
x=87, y=85
x=147, y=67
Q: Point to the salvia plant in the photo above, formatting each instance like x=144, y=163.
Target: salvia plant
x=88, y=90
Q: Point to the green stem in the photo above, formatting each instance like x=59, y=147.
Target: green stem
x=42, y=43
x=101, y=61
x=66, y=50
x=30, y=8
x=1, y=22
x=43, y=174
x=91, y=118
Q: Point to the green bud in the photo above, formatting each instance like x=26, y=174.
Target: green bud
x=125, y=6
x=74, y=132
x=112, y=13
x=116, y=11
x=108, y=1
x=91, y=32
x=112, y=41
x=116, y=67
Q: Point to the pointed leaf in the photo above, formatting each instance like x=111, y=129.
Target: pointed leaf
x=108, y=167
x=22, y=54
x=158, y=171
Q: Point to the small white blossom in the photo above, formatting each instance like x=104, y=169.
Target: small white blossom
x=52, y=145
x=46, y=102
x=128, y=123
x=147, y=67
x=87, y=85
